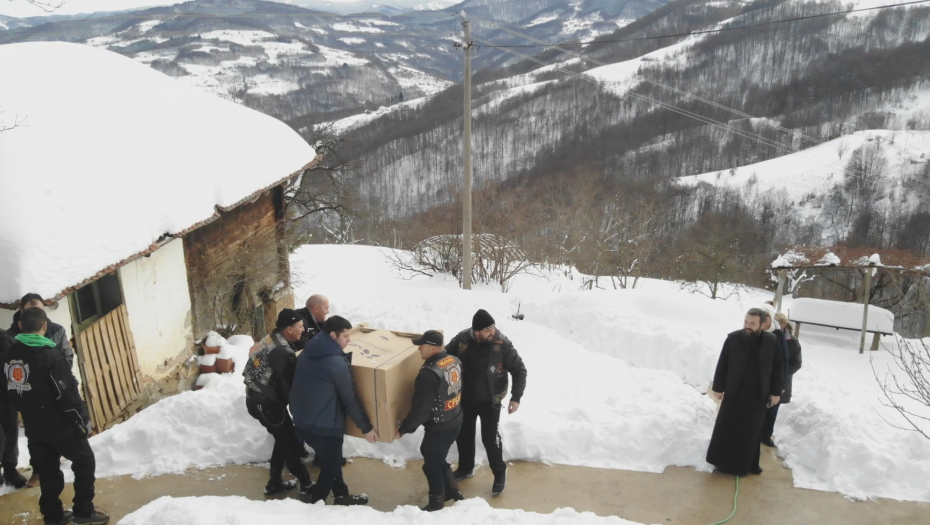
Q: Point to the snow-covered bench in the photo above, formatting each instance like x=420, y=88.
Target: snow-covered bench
x=842, y=316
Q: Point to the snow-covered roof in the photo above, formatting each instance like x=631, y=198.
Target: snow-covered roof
x=111, y=155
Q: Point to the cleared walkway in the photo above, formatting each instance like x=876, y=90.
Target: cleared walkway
x=678, y=496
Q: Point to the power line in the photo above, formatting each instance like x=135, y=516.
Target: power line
x=692, y=115
x=656, y=83
x=708, y=31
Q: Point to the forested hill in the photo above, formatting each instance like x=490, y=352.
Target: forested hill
x=643, y=109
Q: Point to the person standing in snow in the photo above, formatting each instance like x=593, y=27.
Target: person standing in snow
x=437, y=395
x=10, y=421
x=314, y=314
x=487, y=357
x=268, y=378
x=747, y=380
x=322, y=395
x=794, y=354
x=9, y=428
x=770, y=326
x=40, y=385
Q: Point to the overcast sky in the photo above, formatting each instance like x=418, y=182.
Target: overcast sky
x=22, y=8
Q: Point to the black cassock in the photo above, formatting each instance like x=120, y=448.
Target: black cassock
x=748, y=372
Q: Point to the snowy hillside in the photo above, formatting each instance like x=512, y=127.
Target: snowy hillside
x=631, y=364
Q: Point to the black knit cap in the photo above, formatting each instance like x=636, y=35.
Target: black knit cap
x=481, y=321
x=429, y=337
x=287, y=317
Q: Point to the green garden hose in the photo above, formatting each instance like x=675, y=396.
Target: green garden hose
x=735, y=495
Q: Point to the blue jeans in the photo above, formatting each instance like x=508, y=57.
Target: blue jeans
x=329, y=452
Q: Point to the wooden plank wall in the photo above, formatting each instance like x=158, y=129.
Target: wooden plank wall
x=111, y=367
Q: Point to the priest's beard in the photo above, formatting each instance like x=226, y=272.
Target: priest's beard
x=750, y=334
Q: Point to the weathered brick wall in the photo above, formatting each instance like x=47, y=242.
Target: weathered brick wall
x=238, y=269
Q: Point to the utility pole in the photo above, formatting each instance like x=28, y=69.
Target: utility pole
x=466, y=187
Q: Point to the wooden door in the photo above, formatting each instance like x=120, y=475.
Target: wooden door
x=110, y=368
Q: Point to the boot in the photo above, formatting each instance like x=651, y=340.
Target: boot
x=463, y=474
x=436, y=502
x=96, y=518
x=500, y=480
x=452, y=487
x=346, y=501
x=65, y=519
x=276, y=485
x=13, y=477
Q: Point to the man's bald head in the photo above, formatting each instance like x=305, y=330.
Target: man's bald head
x=318, y=306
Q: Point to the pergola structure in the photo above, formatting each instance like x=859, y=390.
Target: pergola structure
x=802, y=260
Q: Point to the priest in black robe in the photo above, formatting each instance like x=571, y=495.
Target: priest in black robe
x=748, y=380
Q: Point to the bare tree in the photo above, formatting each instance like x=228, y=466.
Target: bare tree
x=17, y=122
x=842, y=147
x=906, y=387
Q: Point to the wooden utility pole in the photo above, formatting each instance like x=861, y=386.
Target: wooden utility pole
x=466, y=187
x=780, y=291
x=866, y=292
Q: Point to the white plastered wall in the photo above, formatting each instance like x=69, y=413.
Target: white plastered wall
x=159, y=306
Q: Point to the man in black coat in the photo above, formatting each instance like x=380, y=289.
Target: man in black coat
x=40, y=385
x=9, y=418
x=487, y=357
x=748, y=379
x=9, y=428
x=314, y=314
x=769, y=325
x=268, y=378
x=437, y=396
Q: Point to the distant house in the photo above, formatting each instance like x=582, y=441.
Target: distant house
x=144, y=211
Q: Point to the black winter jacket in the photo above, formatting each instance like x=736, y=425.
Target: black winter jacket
x=503, y=359
x=270, y=371
x=53, y=331
x=794, y=364
x=732, y=362
x=311, y=328
x=323, y=391
x=425, y=392
x=39, y=385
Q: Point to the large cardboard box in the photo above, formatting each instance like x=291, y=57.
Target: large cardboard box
x=384, y=365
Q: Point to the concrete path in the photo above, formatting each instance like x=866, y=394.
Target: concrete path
x=678, y=496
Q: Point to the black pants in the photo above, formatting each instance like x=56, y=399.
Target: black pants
x=46, y=460
x=435, y=448
x=9, y=437
x=769, y=425
x=329, y=452
x=490, y=437
x=277, y=422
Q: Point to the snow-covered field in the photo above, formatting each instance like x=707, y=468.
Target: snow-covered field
x=616, y=380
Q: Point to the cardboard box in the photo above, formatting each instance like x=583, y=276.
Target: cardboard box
x=384, y=366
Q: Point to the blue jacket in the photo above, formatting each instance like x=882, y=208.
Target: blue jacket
x=323, y=390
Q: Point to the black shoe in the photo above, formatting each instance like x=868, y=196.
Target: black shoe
x=500, y=480
x=97, y=518
x=13, y=478
x=66, y=518
x=460, y=474
x=277, y=487
x=360, y=499
x=305, y=489
x=452, y=487
x=436, y=502
x=755, y=470
x=768, y=442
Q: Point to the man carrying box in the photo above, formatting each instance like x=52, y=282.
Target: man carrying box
x=437, y=393
x=322, y=394
x=487, y=357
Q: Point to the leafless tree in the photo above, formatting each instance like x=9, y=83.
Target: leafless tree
x=7, y=126
x=906, y=386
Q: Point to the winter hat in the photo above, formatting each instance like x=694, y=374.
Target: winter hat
x=287, y=317
x=430, y=337
x=481, y=321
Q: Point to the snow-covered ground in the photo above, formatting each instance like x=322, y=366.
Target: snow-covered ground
x=213, y=510
x=618, y=375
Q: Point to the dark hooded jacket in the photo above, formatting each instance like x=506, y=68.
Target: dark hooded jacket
x=323, y=391
x=794, y=364
x=53, y=331
x=502, y=358
x=40, y=386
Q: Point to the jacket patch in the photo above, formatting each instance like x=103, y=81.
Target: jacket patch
x=497, y=369
x=445, y=362
x=17, y=376
x=454, y=402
